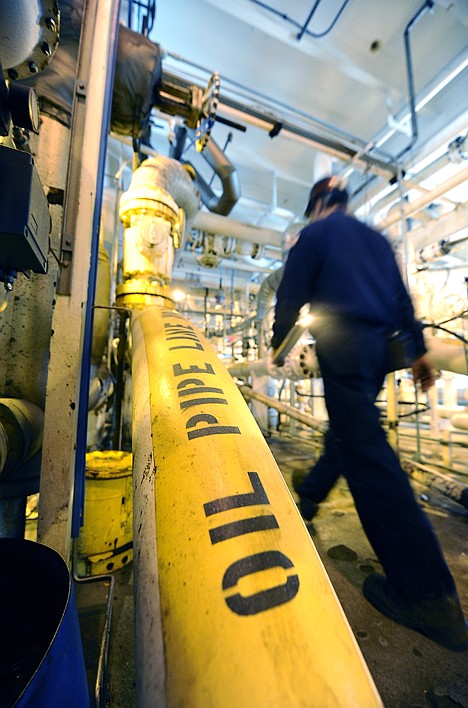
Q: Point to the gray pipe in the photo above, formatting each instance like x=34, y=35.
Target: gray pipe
x=21, y=424
x=227, y=173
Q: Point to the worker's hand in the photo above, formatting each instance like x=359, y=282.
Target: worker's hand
x=280, y=361
x=273, y=368
x=423, y=373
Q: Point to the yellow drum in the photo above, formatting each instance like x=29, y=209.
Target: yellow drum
x=106, y=538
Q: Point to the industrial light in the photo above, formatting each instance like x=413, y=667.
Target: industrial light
x=178, y=295
x=305, y=319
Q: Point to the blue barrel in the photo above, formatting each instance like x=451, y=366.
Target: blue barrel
x=41, y=655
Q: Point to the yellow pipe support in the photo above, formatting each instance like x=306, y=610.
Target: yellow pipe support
x=233, y=606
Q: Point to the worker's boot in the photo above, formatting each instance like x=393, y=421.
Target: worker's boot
x=307, y=508
x=440, y=619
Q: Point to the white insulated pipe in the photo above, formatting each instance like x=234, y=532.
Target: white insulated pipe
x=424, y=200
x=217, y=224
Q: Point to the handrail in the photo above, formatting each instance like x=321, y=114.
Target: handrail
x=233, y=604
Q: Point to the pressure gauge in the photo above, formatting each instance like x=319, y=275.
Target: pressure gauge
x=24, y=106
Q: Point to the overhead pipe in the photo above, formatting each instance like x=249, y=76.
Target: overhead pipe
x=204, y=278
x=425, y=199
x=212, y=513
x=272, y=123
x=226, y=263
x=221, y=225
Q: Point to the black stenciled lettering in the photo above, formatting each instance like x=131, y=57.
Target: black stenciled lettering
x=182, y=332
x=190, y=382
x=213, y=427
x=179, y=327
x=258, y=496
x=184, y=346
x=201, y=402
x=239, y=528
x=203, y=389
x=181, y=335
x=179, y=371
x=214, y=430
x=265, y=599
x=172, y=313
x=200, y=387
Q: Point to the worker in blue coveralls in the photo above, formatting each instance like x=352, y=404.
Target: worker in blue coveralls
x=348, y=273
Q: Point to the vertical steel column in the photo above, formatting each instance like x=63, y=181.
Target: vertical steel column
x=67, y=345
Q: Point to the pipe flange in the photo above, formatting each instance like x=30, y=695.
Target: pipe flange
x=18, y=64
x=136, y=294
x=151, y=201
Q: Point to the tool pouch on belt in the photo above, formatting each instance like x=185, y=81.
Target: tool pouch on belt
x=401, y=350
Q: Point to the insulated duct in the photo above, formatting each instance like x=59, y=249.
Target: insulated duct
x=265, y=300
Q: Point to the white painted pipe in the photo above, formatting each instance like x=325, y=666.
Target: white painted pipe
x=216, y=224
x=446, y=353
x=425, y=199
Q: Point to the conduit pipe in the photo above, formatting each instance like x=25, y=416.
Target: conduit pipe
x=216, y=224
x=428, y=4
x=227, y=578
x=100, y=379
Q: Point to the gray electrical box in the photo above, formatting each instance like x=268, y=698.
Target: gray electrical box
x=24, y=214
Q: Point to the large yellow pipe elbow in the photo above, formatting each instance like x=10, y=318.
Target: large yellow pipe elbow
x=234, y=607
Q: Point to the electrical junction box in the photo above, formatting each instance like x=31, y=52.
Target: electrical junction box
x=24, y=214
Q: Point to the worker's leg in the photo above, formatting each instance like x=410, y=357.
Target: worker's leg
x=395, y=525
x=323, y=475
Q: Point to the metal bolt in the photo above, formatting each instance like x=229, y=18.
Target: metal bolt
x=50, y=24
x=45, y=49
x=33, y=68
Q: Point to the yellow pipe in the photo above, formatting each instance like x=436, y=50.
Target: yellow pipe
x=238, y=609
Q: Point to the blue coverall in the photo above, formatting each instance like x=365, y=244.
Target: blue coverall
x=349, y=274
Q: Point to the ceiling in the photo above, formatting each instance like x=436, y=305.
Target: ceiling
x=333, y=95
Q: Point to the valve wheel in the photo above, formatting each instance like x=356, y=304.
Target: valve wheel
x=209, y=106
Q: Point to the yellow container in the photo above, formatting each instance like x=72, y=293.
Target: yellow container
x=106, y=539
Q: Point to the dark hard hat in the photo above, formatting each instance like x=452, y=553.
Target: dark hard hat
x=330, y=190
